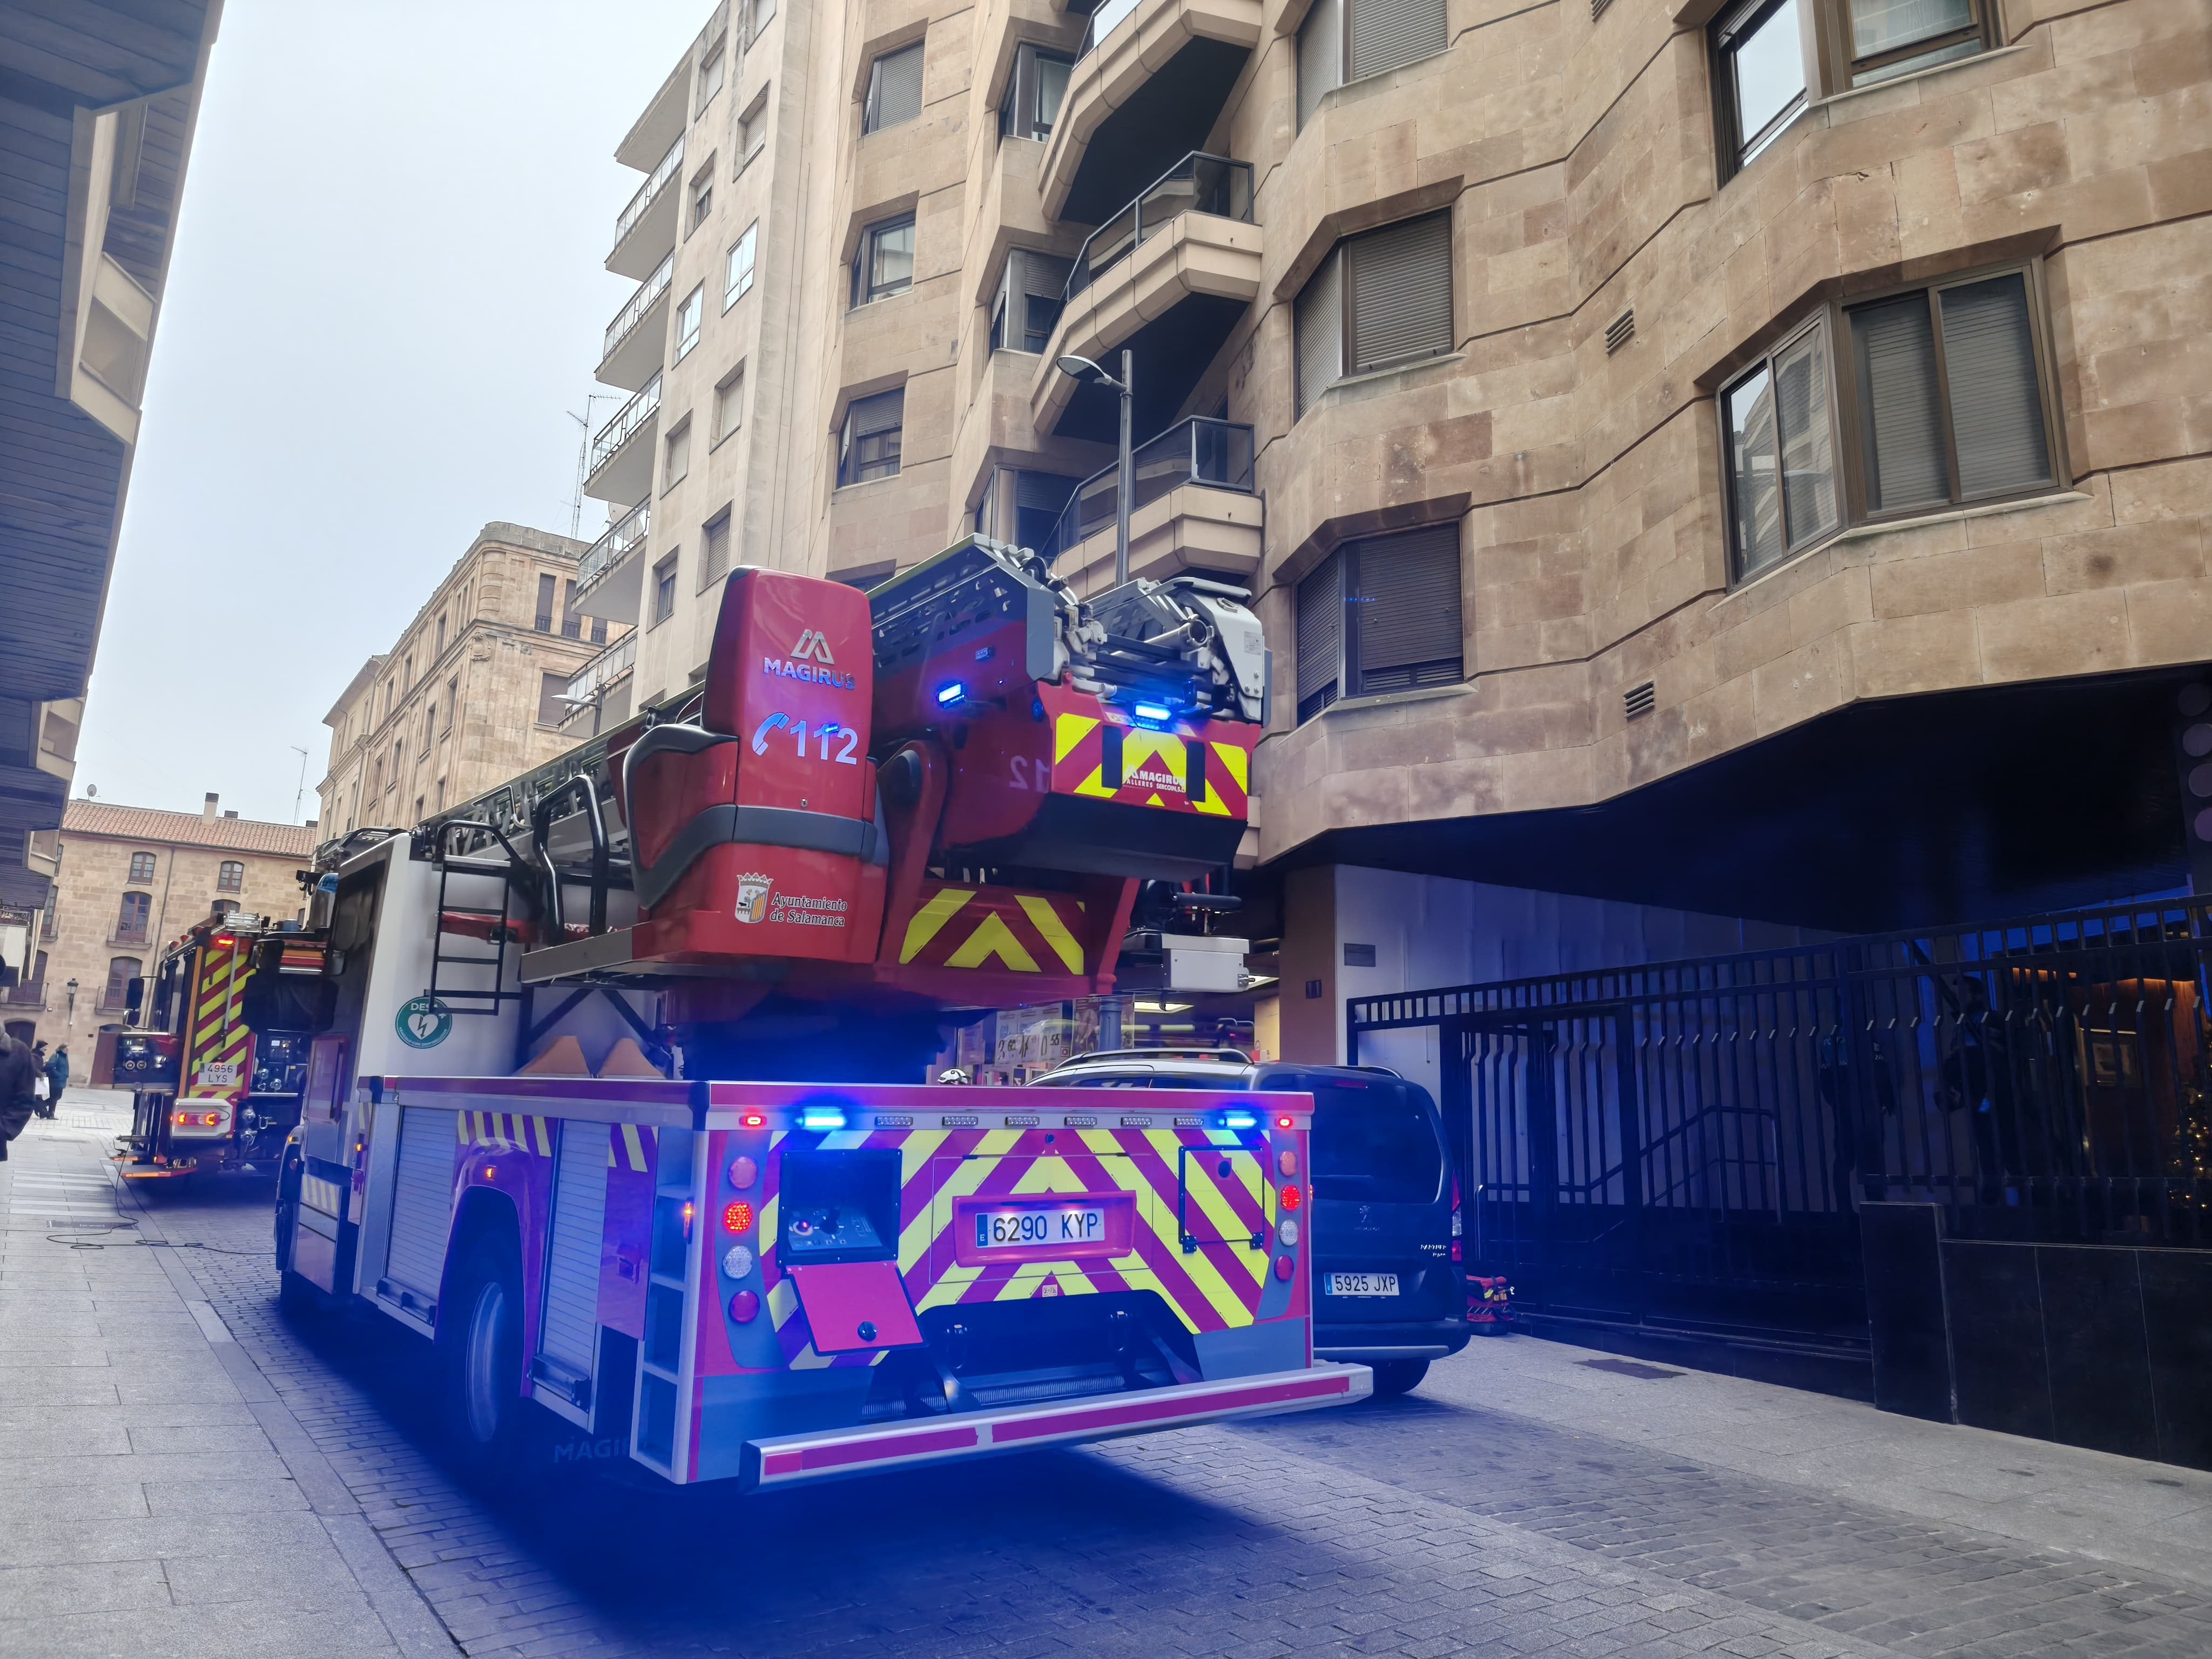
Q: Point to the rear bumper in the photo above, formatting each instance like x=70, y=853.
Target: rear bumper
x=794, y=1460
x=1368, y=1345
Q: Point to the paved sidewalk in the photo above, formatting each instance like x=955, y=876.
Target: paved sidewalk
x=156, y=1498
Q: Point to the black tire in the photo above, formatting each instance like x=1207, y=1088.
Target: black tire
x=480, y=1340
x=1396, y=1376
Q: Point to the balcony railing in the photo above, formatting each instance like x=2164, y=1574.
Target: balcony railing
x=624, y=536
x=1198, y=451
x=1108, y=17
x=648, y=293
x=1197, y=183
x=630, y=417
x=649, y=192
x=604, y=670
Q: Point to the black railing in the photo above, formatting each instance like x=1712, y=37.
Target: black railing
x=1690, y=1141
x=1216, y=453
x=1197, y=183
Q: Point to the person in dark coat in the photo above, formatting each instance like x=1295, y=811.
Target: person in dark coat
x=56, y=1078
x=18, y=1095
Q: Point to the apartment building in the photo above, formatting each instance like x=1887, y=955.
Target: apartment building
x=1705, y=469
x=473, y=692
x=128, y=880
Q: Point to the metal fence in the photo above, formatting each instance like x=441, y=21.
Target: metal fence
x=1688, y=1142
x=1200, y=451
x=1198, y=183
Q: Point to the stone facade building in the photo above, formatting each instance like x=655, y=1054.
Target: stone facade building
x=130, y=880
x=1736, y=465
x=470, y=696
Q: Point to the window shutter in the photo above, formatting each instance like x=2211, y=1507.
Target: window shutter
x=895, y=88
x=1321, y=52
x=1408, y=610
x=1996, y=413
x=1388, y=33
x=1320, y=321
x=1044, y=275
x=880, y=413
x=716, y=554
x=1402, y=300
x=1902, y=435
x=1320, y=637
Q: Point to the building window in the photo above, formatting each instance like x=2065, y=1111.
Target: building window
x=442, y=794
x=1027, y=308
x=141, y=867
x=1380, y=615
x=729, y=405
x=1379, y=299
x=223, y=906
x=894, y=89
x=407, y=670
x=1909, y=402
x=572, y=621
x=130, y=920
x=752, y=130
x=121, y=971
x=550, y=708
x=702, y=195
x=710, y=77
x=676, y=459
x=1345, y=40
x=870, y=446
x=1034, y=91
x=1758, y=77
x=715, y=551
x=664, y=590
x=687, y=321
x=738, y=272
x=230, y=877
x=441, y=635
x=884, y=265
x=429, y=724
x=452, y=699
x=763, y=13
x=544, y=623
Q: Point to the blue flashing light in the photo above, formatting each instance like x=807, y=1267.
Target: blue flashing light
x=822, y=1117
x=1239, y=1121
x=1154, y=713
x=950, y=693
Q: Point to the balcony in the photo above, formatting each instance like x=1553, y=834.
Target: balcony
x=620, y=466
x=632, y=353
x=661, y=122
x=1166, y=276
x=1153, y=77
x=610, y=576
x=601, y=686
x=646, y=230
x=1195, y=509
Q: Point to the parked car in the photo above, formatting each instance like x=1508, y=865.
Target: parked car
x=1385, y=1221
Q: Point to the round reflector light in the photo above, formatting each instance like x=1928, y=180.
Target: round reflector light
x=736, y=1261
x=1286, y=1162
x=1283, y=1266
x=1287, y=1231
x=745, y=1307
x=744, y=1172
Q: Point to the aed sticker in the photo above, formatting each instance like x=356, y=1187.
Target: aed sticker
x=424, y=1022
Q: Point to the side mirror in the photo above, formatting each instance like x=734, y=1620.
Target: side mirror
x=134, y=998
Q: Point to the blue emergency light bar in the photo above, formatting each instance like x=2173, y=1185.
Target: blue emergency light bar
x=1156, y=714
x=950, y=693
x=1239, y=1120
x=822, y=1117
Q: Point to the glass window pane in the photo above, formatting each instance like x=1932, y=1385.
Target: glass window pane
x=1809, y=449
x=1910, y=66
x=1883, y=26
x=891, y=266
x=1051, y=87
x=1996, y=413
x=1770, y=75
x=1901, y=424
x=1757, y=504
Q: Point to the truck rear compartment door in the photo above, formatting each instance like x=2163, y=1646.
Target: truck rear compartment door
x=567, y=1341
x=421, y=1211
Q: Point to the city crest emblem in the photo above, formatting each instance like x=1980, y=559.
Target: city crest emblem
x=753, y=889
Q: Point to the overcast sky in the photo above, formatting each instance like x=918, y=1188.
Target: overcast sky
x=386, y=292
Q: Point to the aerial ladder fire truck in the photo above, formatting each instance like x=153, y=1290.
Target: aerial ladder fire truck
x=619, y=1101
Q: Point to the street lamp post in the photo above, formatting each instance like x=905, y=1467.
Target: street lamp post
x=1125, y=483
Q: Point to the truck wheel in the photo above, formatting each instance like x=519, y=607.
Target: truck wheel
x=484, y=1354
x=1396, y=1376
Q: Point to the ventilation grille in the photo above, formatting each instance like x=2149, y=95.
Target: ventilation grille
x=1639, y=700
x=1620, y=331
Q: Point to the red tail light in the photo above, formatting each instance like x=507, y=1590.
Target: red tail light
x=738, y=1217
x=1290, y=1199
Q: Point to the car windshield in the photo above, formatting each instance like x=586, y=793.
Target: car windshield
x=1372, y=1141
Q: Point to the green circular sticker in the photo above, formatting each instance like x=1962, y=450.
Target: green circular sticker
x=424, y=1022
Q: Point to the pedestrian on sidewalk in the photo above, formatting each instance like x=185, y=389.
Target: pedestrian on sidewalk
x=56, y=1078
x=18, y=1095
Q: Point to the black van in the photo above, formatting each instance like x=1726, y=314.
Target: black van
x=1387, y=1291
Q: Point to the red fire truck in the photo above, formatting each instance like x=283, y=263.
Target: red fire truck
x=614, y=1104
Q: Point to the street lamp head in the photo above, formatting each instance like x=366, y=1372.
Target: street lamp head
x=1082, y=369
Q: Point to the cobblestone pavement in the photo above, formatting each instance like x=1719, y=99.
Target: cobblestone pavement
x=1431, y=1525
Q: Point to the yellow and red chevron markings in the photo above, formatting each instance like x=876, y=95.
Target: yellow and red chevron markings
x=1157, y=765
x=508, y=1131
x=1215, y=1284
x=218, y=1034
x=994, y=927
